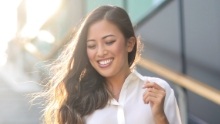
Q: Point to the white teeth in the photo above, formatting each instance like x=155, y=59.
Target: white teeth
x=105, y=62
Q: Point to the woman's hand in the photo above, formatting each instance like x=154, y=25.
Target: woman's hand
x=155, y=96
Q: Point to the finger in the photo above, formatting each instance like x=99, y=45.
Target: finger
x=155, y=91
x=153, y=85
x=157, y=86
x=158, y=94
x=148, y=84
x=150, y=99
x=152, y=92
x=148, y=95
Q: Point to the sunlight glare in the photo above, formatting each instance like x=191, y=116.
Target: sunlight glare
x=38, y=12
x=46, y=36
x=8, y=26
x=30, y=47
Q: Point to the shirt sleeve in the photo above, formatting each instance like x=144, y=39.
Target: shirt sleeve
x=171, y=108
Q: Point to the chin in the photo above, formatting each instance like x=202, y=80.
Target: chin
x=105, y=74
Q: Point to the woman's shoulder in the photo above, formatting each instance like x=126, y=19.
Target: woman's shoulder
x=164, y=84
x=161, y=82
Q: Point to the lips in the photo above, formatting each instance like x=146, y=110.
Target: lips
x=105, y=63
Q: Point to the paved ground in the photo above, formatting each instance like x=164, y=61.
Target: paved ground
x=15, y=107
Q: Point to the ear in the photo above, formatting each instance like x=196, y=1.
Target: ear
x=130, y=43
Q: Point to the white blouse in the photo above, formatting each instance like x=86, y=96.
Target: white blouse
x=130, y=108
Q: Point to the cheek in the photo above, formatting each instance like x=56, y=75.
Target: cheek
x=90, y=54
x=120, y=49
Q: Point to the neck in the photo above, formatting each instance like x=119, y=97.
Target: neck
x=115, y=83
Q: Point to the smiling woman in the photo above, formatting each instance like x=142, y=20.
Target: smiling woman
x=94, y=81
x=108, y=50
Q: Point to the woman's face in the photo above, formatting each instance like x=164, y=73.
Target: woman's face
x=107, y=49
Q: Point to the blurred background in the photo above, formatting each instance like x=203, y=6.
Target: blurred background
x=181, y=39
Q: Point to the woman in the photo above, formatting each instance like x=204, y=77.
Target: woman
x=94, y=82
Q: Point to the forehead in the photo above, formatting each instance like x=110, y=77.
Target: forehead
x=102, y=28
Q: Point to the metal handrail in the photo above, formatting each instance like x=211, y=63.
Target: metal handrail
x=189, y=83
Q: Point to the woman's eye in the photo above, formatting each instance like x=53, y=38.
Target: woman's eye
x=91, y=46
x=110, y=42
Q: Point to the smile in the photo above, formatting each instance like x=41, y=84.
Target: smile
x=105, y=63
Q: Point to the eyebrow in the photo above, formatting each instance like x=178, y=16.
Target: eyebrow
x=104, y=37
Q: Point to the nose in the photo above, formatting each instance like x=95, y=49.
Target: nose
x=101, y=51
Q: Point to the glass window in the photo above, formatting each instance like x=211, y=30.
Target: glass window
x=137, y=9
x=92, y=4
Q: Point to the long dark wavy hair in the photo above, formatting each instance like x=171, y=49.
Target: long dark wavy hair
x=75, y=88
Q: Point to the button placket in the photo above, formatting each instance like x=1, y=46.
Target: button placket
x=122, y=98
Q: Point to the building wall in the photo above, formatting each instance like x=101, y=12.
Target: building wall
x=161, y=35
x=202, y=29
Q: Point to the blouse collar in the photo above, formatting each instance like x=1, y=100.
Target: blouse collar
x=129, y=79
